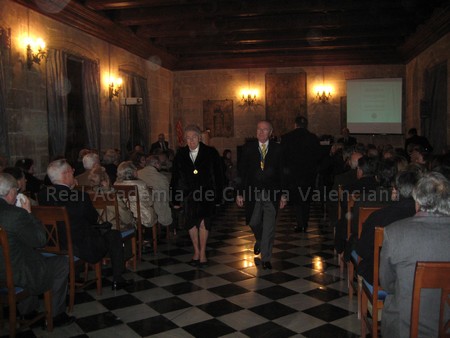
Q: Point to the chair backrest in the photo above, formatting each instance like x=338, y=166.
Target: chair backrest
x=104, y=202
x=363, y=214
x=378, y=243
x=57, y=225
x=431, y=275
x=8, y=282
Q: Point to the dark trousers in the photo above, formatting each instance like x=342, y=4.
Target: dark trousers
x=95, y=247
x=262, y=223
x=59, y=265
x=302, y=213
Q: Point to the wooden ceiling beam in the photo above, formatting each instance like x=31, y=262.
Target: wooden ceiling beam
x=288, y=60
x=80, y=17
x=295, y=20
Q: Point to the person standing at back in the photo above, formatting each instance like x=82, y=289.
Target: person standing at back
x=301, y=150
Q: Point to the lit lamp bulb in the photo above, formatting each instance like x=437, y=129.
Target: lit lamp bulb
x=249, y=96
x=323, y=93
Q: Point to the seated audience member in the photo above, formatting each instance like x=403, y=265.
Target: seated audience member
x=34, y=184
x=423, y=237
x=110, y=162
x=367, y=187
x=89, y=243
x=101, y=185
x=32, y=271
x=78, y=166
x=166, y=164
x=160, y=144
x=160, y=189
x=403, y=207
x=139, y=159
x=90, y=161
x=127, y=175
x=420, y=156
x=19, y=175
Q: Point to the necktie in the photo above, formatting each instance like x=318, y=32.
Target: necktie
x=263, y=155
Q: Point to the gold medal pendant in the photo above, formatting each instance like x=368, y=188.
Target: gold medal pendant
x=195, y=171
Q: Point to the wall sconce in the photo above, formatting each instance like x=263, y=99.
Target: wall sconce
x=249, y=97
x=35, y=51
x=323, y=93
x=115, y=86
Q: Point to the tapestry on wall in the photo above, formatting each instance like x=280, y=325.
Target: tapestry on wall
x=218, y=117
x=285, y=99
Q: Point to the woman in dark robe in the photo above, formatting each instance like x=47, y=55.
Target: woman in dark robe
x=197, y=187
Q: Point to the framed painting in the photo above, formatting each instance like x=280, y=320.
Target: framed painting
x=218, y=117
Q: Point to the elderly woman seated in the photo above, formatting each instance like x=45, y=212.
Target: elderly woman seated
x=100, y=183
x=127, y=175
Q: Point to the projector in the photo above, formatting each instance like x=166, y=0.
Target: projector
x=131, y=101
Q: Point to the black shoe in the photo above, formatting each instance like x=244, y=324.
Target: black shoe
x=203, y=265
x=304, y=230
x=297, y=229
x=194, y=262
x=63, y=319
x=266, y=265
x=116, y=285
x=256, y=249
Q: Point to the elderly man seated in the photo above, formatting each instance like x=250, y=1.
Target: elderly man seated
x=90, y=244
x=32, y=271
x=423, y=237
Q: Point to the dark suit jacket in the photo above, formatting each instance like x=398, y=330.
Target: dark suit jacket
x=157, y=145
x=25, y=233
x=380, y=218
x=349, y=141
x=419, y=140
x=251, y=177
x=200, y=192
x=302, y=153
x=88, y=242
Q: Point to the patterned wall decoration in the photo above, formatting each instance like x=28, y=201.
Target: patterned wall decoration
x=218, y=117
x=285, y=99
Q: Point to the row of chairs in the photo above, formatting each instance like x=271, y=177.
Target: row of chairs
x=57, y=224
x=427, y=275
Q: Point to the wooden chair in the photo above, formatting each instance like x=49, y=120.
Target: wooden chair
x=11, y=294
x=363, y=213
x=431, y=275
x=102, y=202
x=131, y=191
x=57, y=225
x=373, y=293
x=351, y=199
x=339, y=216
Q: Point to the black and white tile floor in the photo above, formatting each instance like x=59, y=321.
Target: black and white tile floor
x=304, y=294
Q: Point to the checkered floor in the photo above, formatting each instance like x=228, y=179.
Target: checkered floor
x=302, y=296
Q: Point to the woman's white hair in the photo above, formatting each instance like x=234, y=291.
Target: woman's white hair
x=126, y=171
